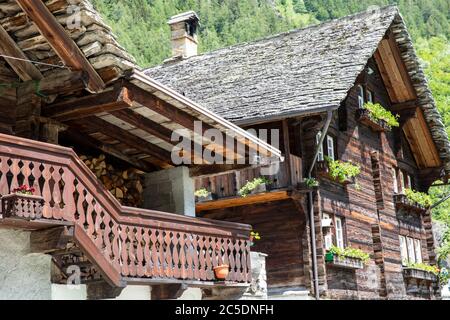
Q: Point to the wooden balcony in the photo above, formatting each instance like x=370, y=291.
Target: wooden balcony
x=419, y=275
x=124, y=244
x=344, y=262
x=323, y=171
x=225, y=188
x=363, y=116
x=403, y=203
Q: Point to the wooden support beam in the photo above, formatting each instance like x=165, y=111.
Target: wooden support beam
x=165, y=109
x=160, y=156
x=408, y=105
x=74, y=134
x=102, y=290
x=49, y=240
x=109, y=101
x=168, y=291
x=153, y=128
x=239, y=201
x=60, y=41
x=65, y=82
x=24, y=69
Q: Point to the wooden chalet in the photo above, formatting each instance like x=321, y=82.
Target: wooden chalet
x=71, y=94
x=312, y=85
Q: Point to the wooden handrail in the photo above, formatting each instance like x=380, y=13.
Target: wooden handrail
x=136, y=242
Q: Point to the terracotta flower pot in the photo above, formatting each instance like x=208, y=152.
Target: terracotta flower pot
x=222, y=272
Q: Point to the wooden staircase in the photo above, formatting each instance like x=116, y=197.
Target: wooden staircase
x=104, y=239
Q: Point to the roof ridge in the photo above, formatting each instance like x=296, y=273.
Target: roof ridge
x=386, y=8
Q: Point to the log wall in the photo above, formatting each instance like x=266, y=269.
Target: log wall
x=282, y=228
x=359, y=207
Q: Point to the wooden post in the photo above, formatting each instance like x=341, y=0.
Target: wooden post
x=287, y=151
x=50, y=130
x=28, y=110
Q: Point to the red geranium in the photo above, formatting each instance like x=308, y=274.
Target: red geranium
x=24, y=189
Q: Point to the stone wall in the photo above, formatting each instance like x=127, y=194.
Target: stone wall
x=23, y=275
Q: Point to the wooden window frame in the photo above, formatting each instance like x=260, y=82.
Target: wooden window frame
x=361, y=96
x=370, y=93
x=342, y=229
x=395, y=183
x=321, y=155
x=333, y=147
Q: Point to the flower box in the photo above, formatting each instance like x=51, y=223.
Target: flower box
x=324, y=171
x=402, y=202
x=262, y=188
x=22, y=206
x=418, y=274
x=344, y=262
x=363, y=116
x=209, y=197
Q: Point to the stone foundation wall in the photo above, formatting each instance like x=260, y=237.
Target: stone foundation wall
x=23, y=276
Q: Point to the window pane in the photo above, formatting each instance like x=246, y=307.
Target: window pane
x=320, y=157
x=394, y=176
x=411, y=252
x=402, y=181
x=339, y=234
x=369, y=96
x=361, y=96
x=403, y=250
x=330, y=146
x=418, y=248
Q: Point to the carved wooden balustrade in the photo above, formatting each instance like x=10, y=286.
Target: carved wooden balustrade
x=123, y=242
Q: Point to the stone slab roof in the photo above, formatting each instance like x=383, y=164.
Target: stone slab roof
x=299, y=72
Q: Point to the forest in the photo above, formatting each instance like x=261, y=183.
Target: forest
x=141, y=27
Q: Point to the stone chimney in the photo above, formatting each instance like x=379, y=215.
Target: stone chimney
x=184, y=29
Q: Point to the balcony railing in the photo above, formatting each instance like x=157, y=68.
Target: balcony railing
x=122, y=242
x=228, y=185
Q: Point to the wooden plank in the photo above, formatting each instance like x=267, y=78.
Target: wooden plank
x=401, y=67
x=111, y=275
x=73, y=133
x=385, y=76
x=393, y=72
x=240, y=201
x=155, y=129
x=116, y=99
x=24, y=69
x=60, y=41
x=49, y=240
x=160, y=156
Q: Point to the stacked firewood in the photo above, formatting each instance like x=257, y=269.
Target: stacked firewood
x=125, y=185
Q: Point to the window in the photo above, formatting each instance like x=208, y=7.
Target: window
x=321, y=156
x=360, y=96
x=408, y=181
x=330, y=147
x=340, y=233
x=402, y=181
x=410, y=250
x=418, y=248
x=369, y=96
x=403, y=250
x=394, y=176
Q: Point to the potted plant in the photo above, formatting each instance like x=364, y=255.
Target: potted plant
x=222, y=271
x=254, y=236
x=377, y=117
x=203, y=195
x=22, y=203
x=309, y=183
x=340, y=171
x=257, y=185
